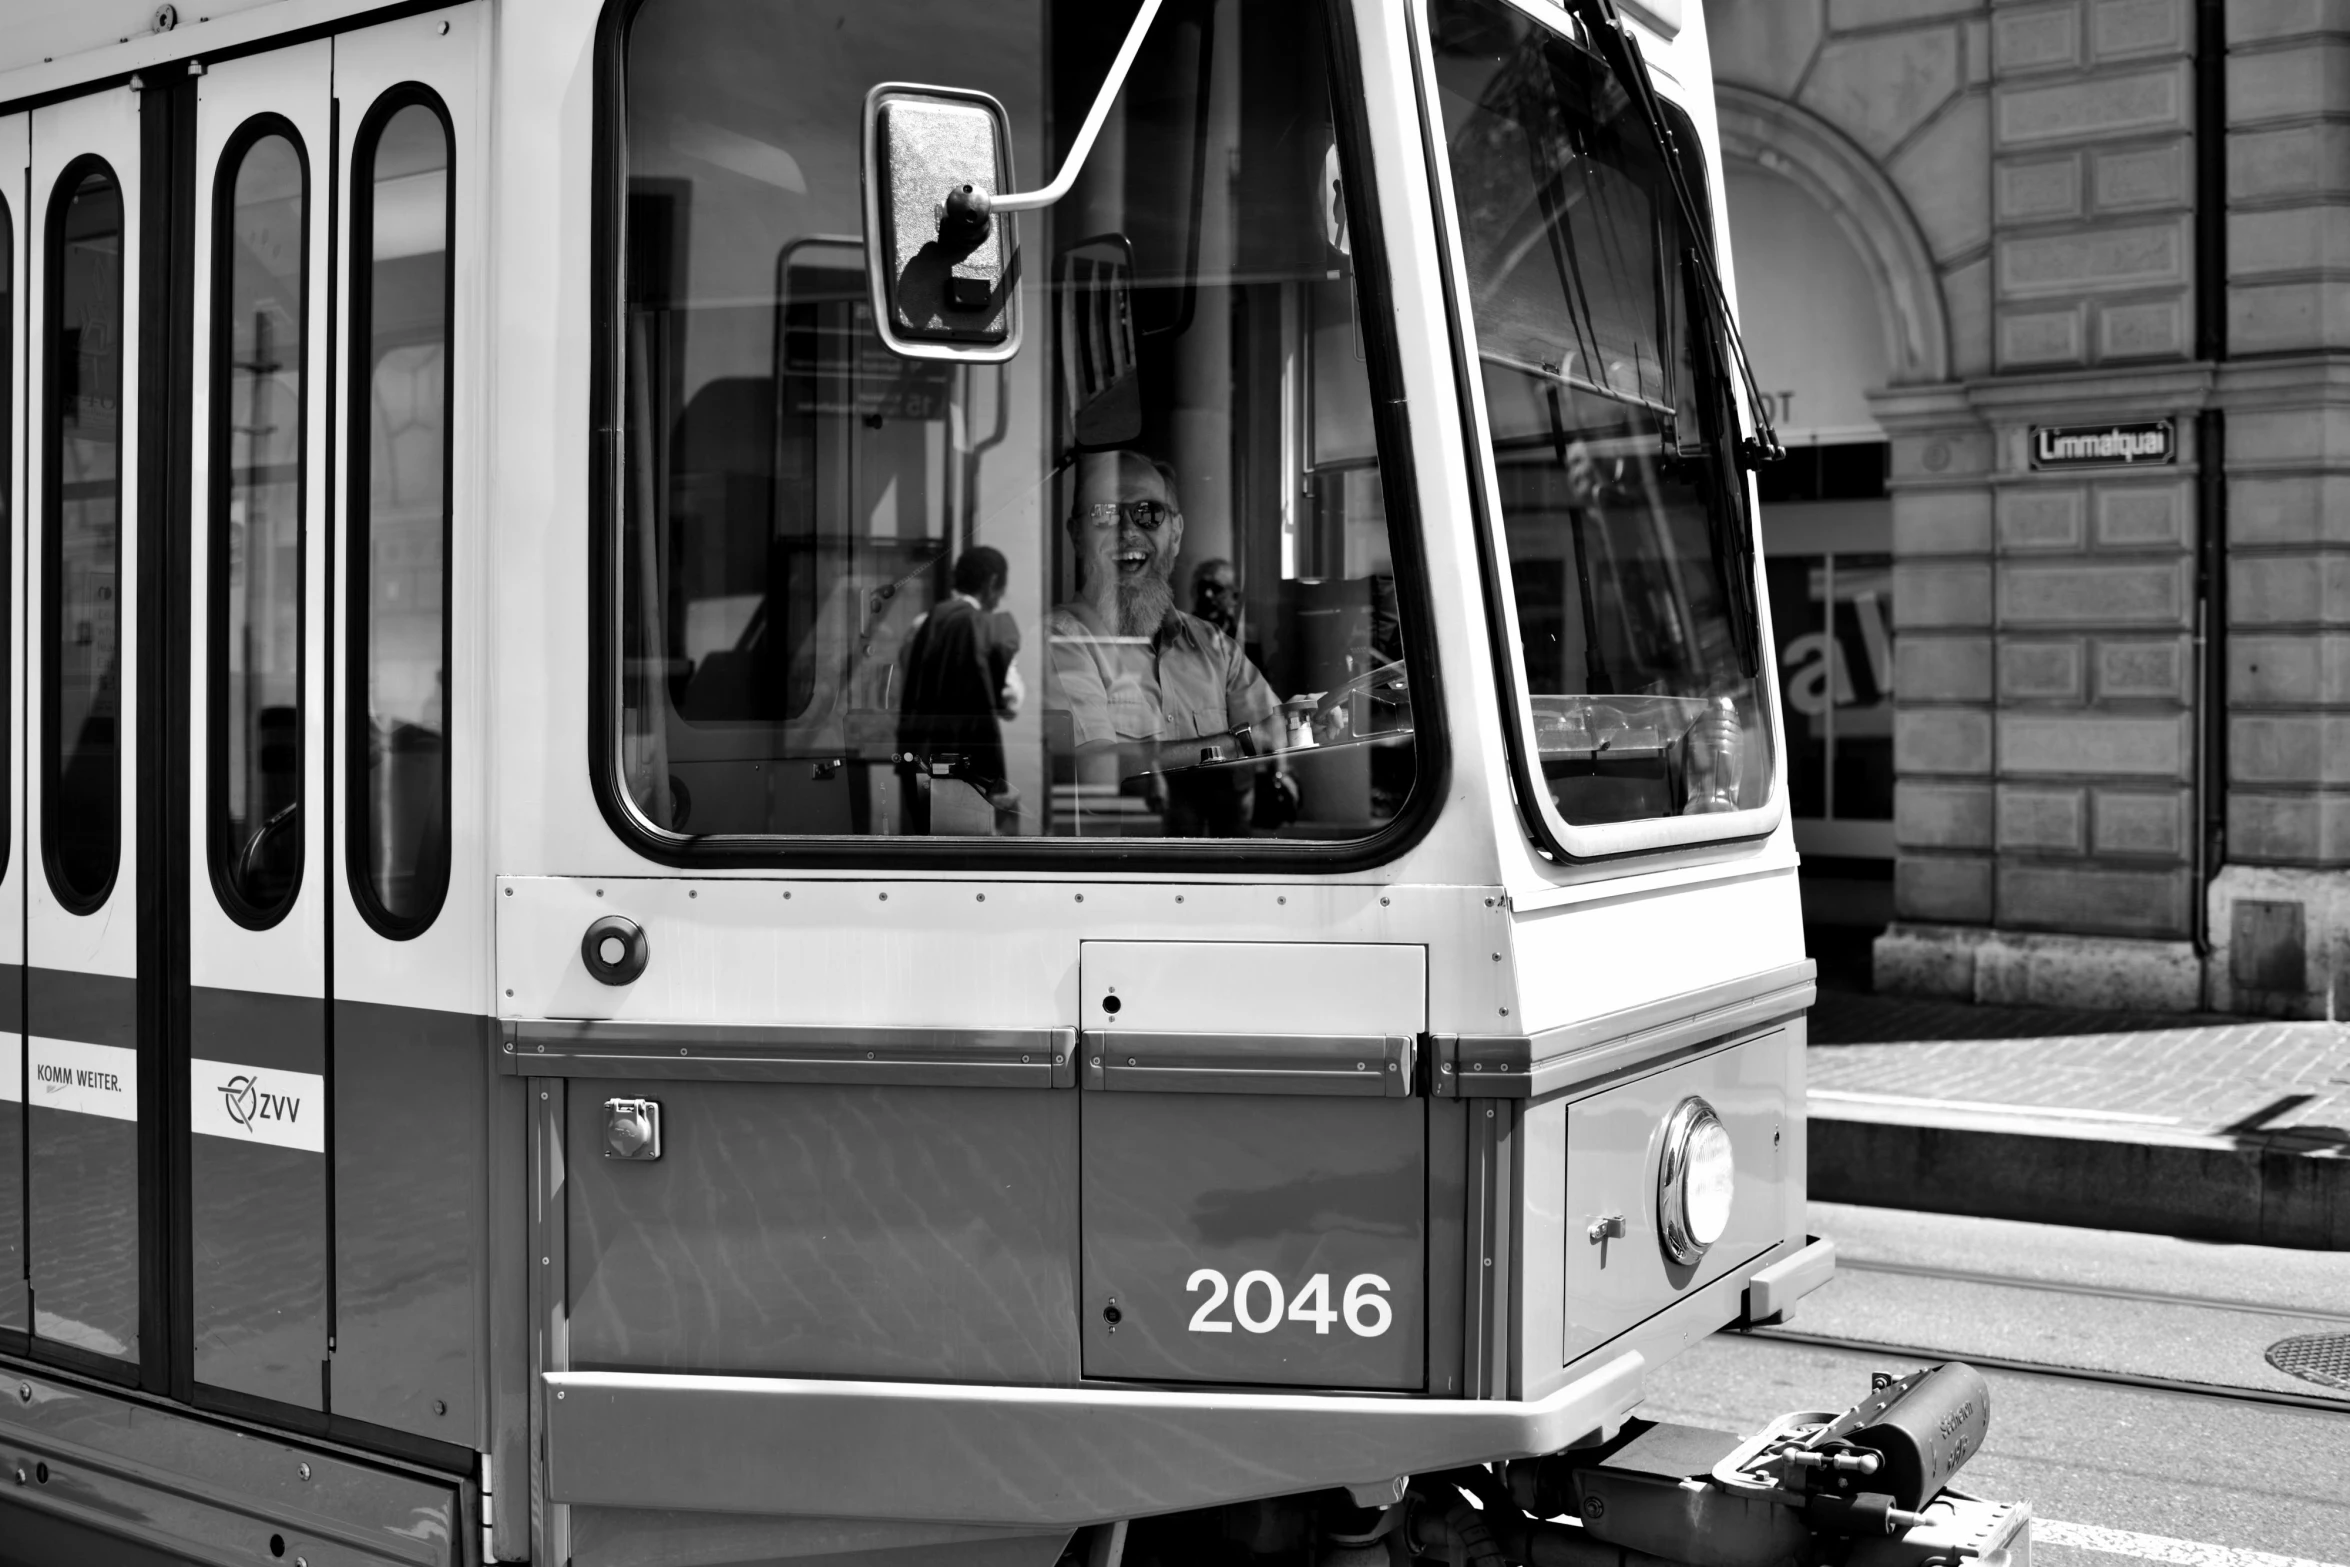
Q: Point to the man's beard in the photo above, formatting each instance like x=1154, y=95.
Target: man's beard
x=1144, y=604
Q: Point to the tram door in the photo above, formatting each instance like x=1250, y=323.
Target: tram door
x=260, y=867
x=15, y=151
x=250, y=1093
x=88, y=1084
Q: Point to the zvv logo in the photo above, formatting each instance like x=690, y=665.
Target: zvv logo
x=245, y=1102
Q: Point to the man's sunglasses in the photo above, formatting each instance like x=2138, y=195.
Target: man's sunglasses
x=1149, y=516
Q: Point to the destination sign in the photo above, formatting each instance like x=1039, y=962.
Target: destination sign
x=2147, y=441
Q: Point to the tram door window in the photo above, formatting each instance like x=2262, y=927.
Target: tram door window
x=253, y=1174
x=15, y=1312
x=399, y=764
x=1137, y=582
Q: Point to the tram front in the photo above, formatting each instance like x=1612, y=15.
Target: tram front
x=1185, y=934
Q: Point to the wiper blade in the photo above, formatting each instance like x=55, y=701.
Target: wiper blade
x=1621, y=50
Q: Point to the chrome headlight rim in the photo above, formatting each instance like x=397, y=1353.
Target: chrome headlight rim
x=1673, y=1232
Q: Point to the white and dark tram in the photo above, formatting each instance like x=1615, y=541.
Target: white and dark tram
x=894, y=783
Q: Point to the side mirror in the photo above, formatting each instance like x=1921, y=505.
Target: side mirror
x=943, y=268
x=1093, y=285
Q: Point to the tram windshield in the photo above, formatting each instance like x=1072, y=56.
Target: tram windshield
x=1137, y=582
x=1614, y=439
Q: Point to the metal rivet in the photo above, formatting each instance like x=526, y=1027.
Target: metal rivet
x=1497, y=957
x=1489, y=1115
x=1179, y=897
x=787, y=897
x=1081, y=897
x=167, y=17
x=885, y=897
x=548, y=1262
x=444, y=29
x=542, y=1092
x=1489, y=903
x=1505, y=1011
x=1130, y=1060
x=1360, y=1067
x=558, y=1394
x=983, y=897
x=509, y=993
x=24, y=1391
x=1382, y=903
x=1489, y=1262
x=440, y=1406
x=693, y=894
x=1280, y=900
x=510, y=893
x=1097, y=1060
x=305, y=1471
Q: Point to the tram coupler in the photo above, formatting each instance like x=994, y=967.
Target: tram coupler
x=1869, y=1487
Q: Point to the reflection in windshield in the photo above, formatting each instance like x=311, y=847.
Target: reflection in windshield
x=1622, y=506
x=1136, y=582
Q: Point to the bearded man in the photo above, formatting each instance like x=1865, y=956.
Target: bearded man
x=1161, y=690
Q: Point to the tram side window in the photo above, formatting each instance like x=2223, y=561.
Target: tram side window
x=1138, y=582
x=256, y=562
x=1614, y=438
x=81, y=427
x=399, y=589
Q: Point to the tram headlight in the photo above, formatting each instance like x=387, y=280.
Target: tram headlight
x=1696, y=1178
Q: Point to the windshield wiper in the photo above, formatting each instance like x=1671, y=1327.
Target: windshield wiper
x=1621, y=50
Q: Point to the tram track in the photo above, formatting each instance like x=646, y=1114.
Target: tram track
x=2091, y=1291
x=2274, y=1398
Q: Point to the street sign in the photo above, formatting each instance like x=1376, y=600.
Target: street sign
x=2146, y=442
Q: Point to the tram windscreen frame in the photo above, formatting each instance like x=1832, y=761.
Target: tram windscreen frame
x=1624, y=533
x=791, y=509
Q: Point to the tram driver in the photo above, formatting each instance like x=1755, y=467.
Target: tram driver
x=1157, y=694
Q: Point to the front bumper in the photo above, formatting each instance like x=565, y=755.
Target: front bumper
x=1017, y=1456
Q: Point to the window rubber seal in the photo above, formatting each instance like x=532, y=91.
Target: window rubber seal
x=1062, y=856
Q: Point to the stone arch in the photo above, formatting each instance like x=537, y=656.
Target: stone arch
x=1797, y=145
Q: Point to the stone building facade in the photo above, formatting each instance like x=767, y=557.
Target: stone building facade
x=2120, y=704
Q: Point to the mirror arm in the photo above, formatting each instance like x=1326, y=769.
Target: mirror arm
x=1074, y=164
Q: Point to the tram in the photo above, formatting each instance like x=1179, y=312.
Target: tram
x=895, y=784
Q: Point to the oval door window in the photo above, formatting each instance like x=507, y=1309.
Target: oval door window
x=399, y=701
x=81, y=524
x=258, y=402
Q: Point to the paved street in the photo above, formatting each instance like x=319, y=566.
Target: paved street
x=2281, y=1082
x=2162, y=1444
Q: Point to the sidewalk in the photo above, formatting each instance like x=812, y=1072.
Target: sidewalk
x=2227, y=1129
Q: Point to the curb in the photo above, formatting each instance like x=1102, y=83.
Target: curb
x=2263, y=1191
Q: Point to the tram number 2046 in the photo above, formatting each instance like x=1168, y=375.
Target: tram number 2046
x=1258, y=1303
